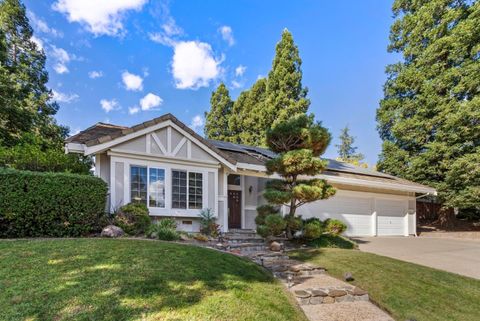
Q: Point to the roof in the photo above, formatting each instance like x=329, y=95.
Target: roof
x=101, y=133
x=258, y=156
x=234, y=153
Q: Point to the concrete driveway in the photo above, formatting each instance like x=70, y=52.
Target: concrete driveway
x=452, y=255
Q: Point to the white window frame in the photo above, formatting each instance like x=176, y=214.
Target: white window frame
x=188, y=186
x=164, y=186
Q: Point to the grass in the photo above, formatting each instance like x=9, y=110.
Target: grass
x=332, y=241
x=405, y=290
x=98, y=279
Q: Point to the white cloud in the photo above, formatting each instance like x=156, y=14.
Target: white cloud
x=133, y=110
x=240, y=70
x=38, y=42
x=227, y=34
x=95, y=74
x=109, y=105
x=61, y=57
x=236, y=84
x=170, y=27
x=197, y=122
x=161, y=38
x=194, y=65
x=64, y=98
x=100, y=17
x=40, y=25
x=150, y=101
x=132, y=82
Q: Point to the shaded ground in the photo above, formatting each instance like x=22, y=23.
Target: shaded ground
x=452, y=255
x=97, y=279
x=405, y=290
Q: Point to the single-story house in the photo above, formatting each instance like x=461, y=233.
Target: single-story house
x=177, y=173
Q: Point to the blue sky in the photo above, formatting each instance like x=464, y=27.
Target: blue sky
x=127, y=61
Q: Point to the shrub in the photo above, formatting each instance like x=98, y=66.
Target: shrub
x=294, y=223
x=262, y=212
x=275, y=223
x=335, y=227
x=133, y=218
x=263, y=231
x=164, y=229
x=312, y=229
x=50, y=204
x=200, y=237
x=208, y=226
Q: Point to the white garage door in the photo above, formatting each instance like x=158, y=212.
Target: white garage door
x=391, y=217
x=355, y=212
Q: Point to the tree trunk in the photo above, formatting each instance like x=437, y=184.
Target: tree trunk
x=446, y=218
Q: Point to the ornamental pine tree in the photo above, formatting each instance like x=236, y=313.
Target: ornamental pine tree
x=347, y=152
x=429, y=116
x=299, y=142
x=216, y=121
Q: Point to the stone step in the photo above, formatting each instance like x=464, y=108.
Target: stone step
x=239, y=232
x=330, y=295
x=244, y=239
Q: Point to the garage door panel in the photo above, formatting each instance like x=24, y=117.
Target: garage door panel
x=355, y=212
x=391, y=217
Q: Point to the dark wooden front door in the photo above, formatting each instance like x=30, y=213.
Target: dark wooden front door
x=234, y=209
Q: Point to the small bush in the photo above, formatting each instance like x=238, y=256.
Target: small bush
x=312, y=230
x=275, y=223
x=295, y=223
x=208, y=226
x=263, y=231
x=133, y=218
x=164, y=229
x=335, y=227
x=262, y=212
x=36, y=204
x=200, y=237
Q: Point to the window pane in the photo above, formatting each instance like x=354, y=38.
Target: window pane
x=179, y=189
x=233, y=179
x=195, y=190
x=156, y=188
x=138, y=184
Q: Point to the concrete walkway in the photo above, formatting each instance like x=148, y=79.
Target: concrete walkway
x=452, y=255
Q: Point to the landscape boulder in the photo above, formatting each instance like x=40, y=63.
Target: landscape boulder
x=112, y=231
x=275, y=246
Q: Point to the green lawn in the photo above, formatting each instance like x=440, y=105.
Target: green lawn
x=98, y=279
x=405, y=290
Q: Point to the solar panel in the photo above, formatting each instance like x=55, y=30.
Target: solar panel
x=226, y=145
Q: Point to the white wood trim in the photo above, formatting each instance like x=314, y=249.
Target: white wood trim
x=162, y=158
x=189, y=149
x=374, y=217
x=100, y=147
x=225, y=203
x=74, y=148
x=159, y=143
x=168, y=167
x=242, y=204
x=169, y=141
x=97, y=165
x=250, y=208
x=179, y=146
x=149, y=143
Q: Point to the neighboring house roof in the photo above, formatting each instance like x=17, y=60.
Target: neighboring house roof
x=237, y=154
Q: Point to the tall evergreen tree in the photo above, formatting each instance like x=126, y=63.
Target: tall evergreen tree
x=269, y=100
x=429, y=116
x=25, y=100
x=285, y=95
x=216, y=124
x=29, y=134
x=246, y=116
x=347, y=152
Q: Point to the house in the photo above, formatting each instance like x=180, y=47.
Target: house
x=177, y=173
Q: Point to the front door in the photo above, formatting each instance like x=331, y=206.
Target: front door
x=234, y=209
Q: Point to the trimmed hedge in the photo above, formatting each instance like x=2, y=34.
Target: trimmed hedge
x=36, y=204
